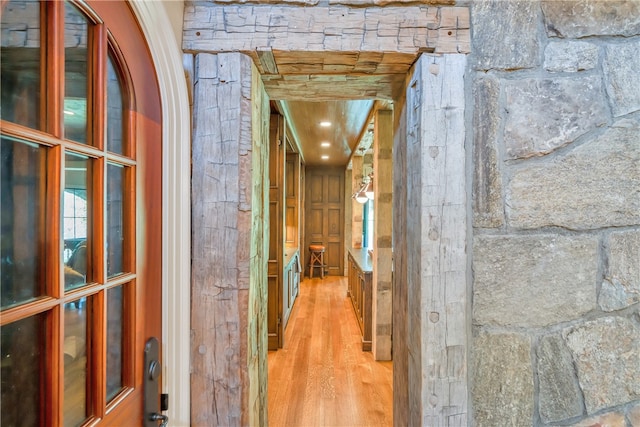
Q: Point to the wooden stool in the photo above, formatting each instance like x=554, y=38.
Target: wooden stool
x=316, y=260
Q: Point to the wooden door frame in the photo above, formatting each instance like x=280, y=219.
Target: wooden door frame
x=435, y=399
x=154, y=21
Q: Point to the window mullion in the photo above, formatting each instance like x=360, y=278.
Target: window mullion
x=96, y=105
x=53, y=80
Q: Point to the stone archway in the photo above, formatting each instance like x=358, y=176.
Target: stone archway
x=303, y=52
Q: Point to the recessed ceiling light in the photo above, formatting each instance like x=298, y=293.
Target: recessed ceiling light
x=325, y=157
x=325, y=124
x=325, y=144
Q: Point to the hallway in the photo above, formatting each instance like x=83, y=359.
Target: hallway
x=322, y=377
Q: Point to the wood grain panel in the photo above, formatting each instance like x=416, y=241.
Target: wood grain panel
x=333, y=258
x=334, y=222
x=316, y=189
x=335, y=188
x=324, y=211
x=276, y=249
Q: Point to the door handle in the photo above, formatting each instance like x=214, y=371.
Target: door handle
x=152, y=371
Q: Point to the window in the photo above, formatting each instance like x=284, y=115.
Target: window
x=367, y=228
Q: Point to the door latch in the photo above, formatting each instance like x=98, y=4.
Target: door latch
x=152, y=397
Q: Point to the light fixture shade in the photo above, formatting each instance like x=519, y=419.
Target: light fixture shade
x=369, y=189
x=361, y=197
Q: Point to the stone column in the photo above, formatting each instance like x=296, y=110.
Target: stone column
x=382, y=247
x=430, y=265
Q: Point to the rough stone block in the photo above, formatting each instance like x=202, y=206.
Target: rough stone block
x=488, y=210
x=621, y=65
x=503, y=381
x=621, y=286
x=611, y=419
x=596, y=185
x=606, y=352
x=534, y=280
x=559, y=393
x=545, y=114
x=575, y=19
x=634, y=415
x=570, y=56
x=504, y=34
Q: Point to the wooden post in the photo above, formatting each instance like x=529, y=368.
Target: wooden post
x=382, y=248
x=230, y=243
x=356, y=208
x=431, y=278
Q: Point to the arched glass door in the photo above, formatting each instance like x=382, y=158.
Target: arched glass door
x=80, y=213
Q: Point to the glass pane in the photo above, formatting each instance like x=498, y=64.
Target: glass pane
x=115, y=109
x=75, y=220
x=75, y=362
x=115, y=213
x=76, y=32
x=20, y=62
x=22, y=347
x=22, y=194
x=115, y=310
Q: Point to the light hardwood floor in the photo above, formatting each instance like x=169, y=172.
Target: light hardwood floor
x=322, y=377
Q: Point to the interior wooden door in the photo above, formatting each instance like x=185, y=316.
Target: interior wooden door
x=324, y=216
x=80, y=213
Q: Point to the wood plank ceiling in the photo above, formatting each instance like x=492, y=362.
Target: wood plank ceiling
x=339, y=88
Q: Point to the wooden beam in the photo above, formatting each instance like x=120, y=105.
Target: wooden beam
x=410, y=29
x=268, y=62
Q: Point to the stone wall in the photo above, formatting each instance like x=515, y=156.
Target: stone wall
x=556, y=213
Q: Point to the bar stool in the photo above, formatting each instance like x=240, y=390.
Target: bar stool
x=316, y=260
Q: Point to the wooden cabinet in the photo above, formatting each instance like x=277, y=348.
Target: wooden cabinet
x=284, y=219
x=290, y=283
x=359, y=291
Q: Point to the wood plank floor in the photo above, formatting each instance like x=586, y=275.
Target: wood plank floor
x=322, y=377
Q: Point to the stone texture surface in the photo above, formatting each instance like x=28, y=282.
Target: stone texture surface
x=545, y=114
x=611, y=419
x=621, y=286
x=503, y=381
x=606, y=352
x=488, y=210
x=386, y=2
x=621, y=65
x=559, y=394
x=533, y=280
x=594, y=186
x=574, y=19
x=634, y=415
x=570, y=56
x=504, y=34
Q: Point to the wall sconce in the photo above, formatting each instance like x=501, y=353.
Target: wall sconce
x=369, y=188
x=366, y=190
x=361, y=196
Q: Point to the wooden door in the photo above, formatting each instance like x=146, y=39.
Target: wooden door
x=80, y=213
x=324, y=215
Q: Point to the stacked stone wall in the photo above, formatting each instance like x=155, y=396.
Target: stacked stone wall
x=555, y=94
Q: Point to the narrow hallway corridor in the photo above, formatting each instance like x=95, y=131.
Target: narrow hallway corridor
x=322, y=377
